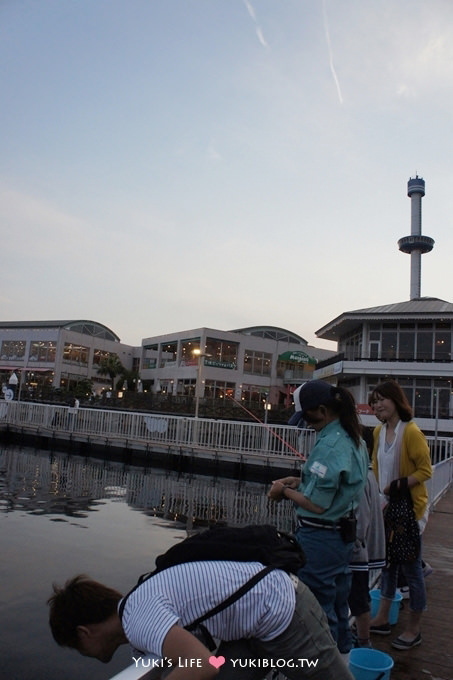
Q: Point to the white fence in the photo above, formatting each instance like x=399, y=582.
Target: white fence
x=148, y=429
x=440, y=482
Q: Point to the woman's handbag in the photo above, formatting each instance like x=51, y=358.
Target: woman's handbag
x=401, y=527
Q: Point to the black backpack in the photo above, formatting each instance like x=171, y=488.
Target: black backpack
x=254, y=543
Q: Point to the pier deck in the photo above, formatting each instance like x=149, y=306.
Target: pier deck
x=433, y=659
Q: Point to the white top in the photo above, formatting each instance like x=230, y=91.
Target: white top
x=388, y=456
x=181, y=594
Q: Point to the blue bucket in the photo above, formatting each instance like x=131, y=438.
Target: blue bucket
x=370, y=664
x=394, y=609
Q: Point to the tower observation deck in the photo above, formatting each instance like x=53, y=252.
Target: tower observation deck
x=416, y=244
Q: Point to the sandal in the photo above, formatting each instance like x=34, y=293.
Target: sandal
x=384, y=629
x=399, y=643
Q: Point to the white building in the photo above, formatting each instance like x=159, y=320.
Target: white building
x=59, y=354
x=248, y=364
x=410, y=342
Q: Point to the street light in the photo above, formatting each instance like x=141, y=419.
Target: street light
x=267, y=408
x=198, y=384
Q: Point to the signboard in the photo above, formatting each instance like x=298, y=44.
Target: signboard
x=364, y=409
x=297, y=357
x=332, y=369
x=219, y=364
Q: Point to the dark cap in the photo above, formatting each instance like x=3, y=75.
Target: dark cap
x=314, y=393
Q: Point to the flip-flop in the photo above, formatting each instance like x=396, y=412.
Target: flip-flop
x=384, y=629
x=399, y=643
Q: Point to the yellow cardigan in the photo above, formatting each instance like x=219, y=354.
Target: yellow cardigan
x=415, y=461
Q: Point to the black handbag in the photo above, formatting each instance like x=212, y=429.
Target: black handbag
x=401, y=527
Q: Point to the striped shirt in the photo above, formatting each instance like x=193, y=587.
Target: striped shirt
x=181, y=594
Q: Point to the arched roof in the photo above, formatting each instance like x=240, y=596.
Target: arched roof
x=83, y=326
x=272, y=333
x=418, y=309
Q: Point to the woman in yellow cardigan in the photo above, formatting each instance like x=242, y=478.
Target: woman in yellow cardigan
x=400, y=456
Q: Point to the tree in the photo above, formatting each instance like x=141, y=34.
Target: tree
x=84, y=388
x=130, y=378
x=112, y=367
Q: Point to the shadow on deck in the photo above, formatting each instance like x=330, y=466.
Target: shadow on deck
x=433, y=659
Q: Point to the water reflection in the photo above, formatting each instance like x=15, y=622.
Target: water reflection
x=59, y=485
x=61, y=515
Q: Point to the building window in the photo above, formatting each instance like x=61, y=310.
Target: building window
x=44, y=351
x=13, y=349
x=388, y=346
x=410, y=342
x=223, y=353
x=75, y=354
x=188, y=358
x=352, y=345
x=150, y=355
x=428, y=397
x=100, y=355
x=442, y=345
x=187, y=387
x=218, y=389
x=254, y=394
x=169, y=353
x=257, y=363
x=424, y=345
x=407, y=346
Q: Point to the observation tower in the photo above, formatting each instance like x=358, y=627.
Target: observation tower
x=416, y=244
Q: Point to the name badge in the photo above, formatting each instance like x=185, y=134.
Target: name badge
x=319, y=469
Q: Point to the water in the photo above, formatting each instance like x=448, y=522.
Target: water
x=62, y=515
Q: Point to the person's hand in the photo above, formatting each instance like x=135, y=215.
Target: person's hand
x=276, y=491
x=292, y=482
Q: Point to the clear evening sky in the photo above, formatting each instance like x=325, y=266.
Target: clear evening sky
x=170, y=164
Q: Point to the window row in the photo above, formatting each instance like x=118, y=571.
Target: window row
x=45, y=351
x=402, y=341
x=429, y=397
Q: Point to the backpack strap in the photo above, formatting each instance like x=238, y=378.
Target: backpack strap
x=248, y=585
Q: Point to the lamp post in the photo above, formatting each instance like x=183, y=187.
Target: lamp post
x=198, y=353
x=267, y=408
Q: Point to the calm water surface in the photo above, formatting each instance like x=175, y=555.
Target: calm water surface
x=63, y=515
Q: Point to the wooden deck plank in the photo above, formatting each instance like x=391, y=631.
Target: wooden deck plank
x=433, y=659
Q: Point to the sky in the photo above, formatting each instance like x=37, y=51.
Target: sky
x=174, y=164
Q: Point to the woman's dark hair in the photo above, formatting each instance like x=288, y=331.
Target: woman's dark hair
x=367, y=436
x=343, y=404
x=79, y=602
x=390, y=389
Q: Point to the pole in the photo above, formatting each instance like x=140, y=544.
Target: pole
x=436, y=397
x=198, y=386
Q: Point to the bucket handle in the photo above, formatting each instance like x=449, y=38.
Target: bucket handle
x=381, y=675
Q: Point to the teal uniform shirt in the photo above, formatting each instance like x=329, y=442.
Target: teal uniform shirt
x=335, y=474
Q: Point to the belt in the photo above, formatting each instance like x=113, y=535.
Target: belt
x=318, y=523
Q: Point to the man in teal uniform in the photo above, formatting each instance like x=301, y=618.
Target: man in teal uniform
x=326, y=496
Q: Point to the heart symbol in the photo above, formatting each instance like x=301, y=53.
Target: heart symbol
x=216, y=661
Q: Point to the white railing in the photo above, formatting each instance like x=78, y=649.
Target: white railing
x=440, y=482
x=214, y=435
x=438, y=485
x=139, y=671
x=148, y=429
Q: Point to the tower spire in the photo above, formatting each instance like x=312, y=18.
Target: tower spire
x=416, y=244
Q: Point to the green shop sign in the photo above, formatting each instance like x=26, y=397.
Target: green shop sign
x=219, y=364
x=297, y=357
